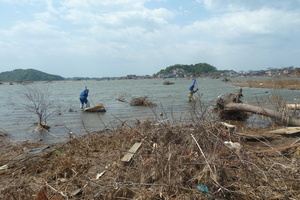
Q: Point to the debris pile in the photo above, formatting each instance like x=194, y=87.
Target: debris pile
x=168, y=82
x=147, y=161
x=142, y=101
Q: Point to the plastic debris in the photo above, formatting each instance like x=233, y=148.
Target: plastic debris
x=39, y=150
x=233, y=145
x=204, y=189
x=4, y=167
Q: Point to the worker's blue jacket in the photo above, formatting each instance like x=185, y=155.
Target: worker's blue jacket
x=191, y=88
x=84, y=94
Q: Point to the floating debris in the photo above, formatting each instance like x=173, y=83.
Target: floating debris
x=142, y=101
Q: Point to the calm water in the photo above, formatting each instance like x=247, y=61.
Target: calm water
x=16, y=120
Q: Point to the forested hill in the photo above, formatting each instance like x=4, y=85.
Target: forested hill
x=196, y=69
x=27, y=75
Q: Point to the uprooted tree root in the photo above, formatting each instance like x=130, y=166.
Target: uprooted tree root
x=170, y=163
x=231, y=108
x=230, y=115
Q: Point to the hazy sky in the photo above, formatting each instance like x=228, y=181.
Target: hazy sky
x=99, y=38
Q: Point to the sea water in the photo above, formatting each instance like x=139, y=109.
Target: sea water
x=18, y=118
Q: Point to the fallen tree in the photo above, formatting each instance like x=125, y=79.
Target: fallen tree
x=231, y=107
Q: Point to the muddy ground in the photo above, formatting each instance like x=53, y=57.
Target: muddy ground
x=172, y=162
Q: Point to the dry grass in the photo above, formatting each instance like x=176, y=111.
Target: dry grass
x=276, y=83
x=171, y=162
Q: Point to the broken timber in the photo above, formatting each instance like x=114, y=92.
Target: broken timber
x=287, y=130
x=127, y=157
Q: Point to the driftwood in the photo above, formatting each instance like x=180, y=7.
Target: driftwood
x=286, y=130
x=231, y=107
x=95, y=108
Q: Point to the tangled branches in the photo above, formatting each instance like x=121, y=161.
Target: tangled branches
x=170, y=164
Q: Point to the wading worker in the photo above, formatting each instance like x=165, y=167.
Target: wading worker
x=192, y=91
x=83, y=98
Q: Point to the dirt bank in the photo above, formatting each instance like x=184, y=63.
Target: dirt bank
x=276, y=83
x=172, y=162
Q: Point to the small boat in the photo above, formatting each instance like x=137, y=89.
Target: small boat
x=95, y=108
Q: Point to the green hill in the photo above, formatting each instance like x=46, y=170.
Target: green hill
x=196, y=69
x=27, y=75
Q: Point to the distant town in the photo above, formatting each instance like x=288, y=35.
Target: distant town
x=176, y=71
x=271, y=72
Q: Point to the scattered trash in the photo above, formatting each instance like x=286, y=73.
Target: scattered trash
x=233, y=145
x=204, y=189
x=100, y=174
x=162, y=122
x=76, y=192
x=230, y=127
x=4, y=167
x=39, y=150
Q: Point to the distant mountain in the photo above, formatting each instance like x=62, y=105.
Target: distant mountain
x=28, y=75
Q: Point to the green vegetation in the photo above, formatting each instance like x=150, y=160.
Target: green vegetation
x=27, y=75
x=181, y=70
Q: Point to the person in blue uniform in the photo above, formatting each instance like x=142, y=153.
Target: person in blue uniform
x=192, y=91
x=83, y=98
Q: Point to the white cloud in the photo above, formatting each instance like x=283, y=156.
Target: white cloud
x=233, y=5
x=125, y=34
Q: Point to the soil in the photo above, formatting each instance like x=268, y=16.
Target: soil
x=173, y=162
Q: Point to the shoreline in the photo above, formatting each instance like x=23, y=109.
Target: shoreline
x=276, y=83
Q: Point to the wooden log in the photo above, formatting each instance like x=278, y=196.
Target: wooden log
x=95, y=108
x=287, y=130
x=262, y=111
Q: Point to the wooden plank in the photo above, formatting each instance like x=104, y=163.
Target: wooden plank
x=287, y=130
x=127, y=157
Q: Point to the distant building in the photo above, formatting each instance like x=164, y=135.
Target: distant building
x=131, y=76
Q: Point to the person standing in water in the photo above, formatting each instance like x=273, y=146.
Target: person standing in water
x=192, y=91
x=83, y=98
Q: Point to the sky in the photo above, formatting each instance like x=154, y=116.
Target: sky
x=112, y=38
